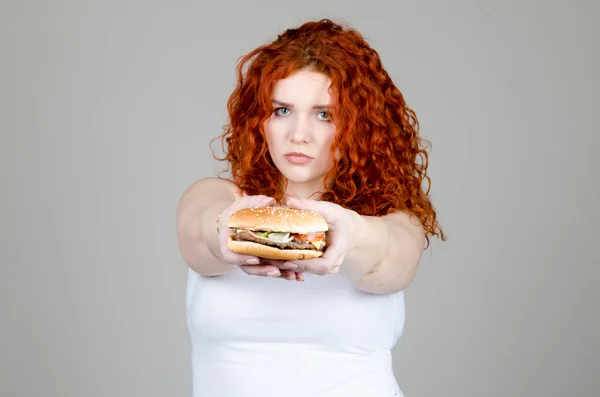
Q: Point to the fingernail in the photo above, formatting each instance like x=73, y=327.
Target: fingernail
x=274, y=273
x=252, y=261
x=291, y=265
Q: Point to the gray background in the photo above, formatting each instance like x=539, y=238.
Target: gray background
x=107, y=110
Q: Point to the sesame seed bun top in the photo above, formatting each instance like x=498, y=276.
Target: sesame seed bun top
x=278, y=219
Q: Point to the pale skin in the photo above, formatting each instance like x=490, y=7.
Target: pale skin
x=378, y=255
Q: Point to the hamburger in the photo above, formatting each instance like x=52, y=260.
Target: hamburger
x=277, y=233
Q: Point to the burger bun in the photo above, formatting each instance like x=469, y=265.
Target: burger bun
x=265, y=251
x=278, y=219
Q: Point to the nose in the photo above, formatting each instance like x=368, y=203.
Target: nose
x=300, y=131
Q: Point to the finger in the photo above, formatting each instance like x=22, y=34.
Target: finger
x=319, y=266
x=305, y=265
x=251, y=201
x=256, y=201
x=239, y=259
x=329, y=263
x=280, y=264
x=299, y=276
x=288, y=274
x=261, y=270
x=321, y=207
x=293, y=265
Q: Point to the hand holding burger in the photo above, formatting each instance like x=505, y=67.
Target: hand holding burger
x=340, y=237
x=249, y=263
x=309, y=236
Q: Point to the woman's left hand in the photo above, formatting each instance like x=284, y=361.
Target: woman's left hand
x=340, y=236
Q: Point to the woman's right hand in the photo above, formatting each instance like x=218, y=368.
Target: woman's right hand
x=249, y=264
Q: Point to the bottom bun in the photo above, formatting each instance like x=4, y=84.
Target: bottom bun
x=267, y=252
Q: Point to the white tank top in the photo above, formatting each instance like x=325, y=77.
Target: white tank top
x=260, y=337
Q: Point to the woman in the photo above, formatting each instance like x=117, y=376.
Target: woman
x=315, y=123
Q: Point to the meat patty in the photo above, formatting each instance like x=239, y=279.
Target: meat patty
x=247, y=235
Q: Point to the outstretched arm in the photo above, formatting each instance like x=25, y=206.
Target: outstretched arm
x=379, y=255
x=385, y=252
x=197, y=214
x=203, y=247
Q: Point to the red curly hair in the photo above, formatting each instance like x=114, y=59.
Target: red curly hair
x=378, y=171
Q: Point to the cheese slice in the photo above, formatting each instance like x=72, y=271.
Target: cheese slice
x=318, y=244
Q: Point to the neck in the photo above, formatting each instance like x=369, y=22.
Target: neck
x=303, y=191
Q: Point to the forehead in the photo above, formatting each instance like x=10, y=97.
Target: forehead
x=303, y=88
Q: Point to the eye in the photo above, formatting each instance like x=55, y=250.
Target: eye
x=324, y=115
x=282, y=111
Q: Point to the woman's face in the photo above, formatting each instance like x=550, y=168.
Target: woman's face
x=299, y=133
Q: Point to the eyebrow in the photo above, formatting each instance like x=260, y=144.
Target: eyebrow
x=288, y=105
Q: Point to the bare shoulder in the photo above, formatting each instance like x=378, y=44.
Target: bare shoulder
x=403, y=218
x=211, y=189
x=408, y=222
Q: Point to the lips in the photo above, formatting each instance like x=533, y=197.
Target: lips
x=297, y=158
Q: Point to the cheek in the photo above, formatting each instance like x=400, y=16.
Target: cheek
x=328, y=138
x=277, y=135
x=270, y=136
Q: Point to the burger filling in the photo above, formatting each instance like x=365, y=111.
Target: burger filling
x=312, y=241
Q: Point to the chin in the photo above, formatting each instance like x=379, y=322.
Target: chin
x=301, y=174
x=302, y=179
x=296, y=177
